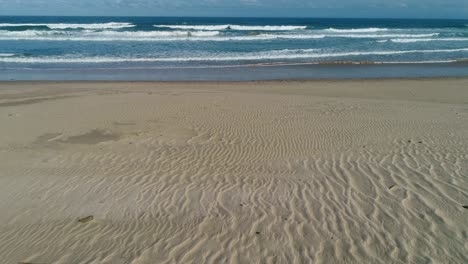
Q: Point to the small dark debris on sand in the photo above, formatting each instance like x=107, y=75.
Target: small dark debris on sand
x=409, y=141
x=420, y=142
x=86, y=219
x=392, y=186
x=465, y=206
x=258, y=233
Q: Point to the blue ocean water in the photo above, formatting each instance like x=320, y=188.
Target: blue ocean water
x=132, y=43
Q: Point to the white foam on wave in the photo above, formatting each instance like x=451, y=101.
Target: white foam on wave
x=356, y=30
x=321, y=36
x=152, y=34
x=141, y=36
x=110, y=25
x=91, y=35
x=232, y=27
x=287, y=36
x=252, y=56
x=407, y=40
x=7, y=54
x=385, y=35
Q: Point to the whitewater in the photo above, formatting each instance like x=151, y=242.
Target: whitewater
x=42, y=43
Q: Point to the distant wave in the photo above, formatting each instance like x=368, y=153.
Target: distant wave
x=109, y=35
x=152, y=34
x=90, y=35
x=142, y=36
x=139, y=36
x=233, y=27
x=111, y=25
x=252, y=56
x=409, y=40
x=320, y=36
x=357, y=30
x=7, y=54
x=384, y=35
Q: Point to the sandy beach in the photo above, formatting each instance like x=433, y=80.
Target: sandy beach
x=352, y=171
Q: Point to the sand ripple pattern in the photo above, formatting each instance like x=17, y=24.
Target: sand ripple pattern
x=221, y=174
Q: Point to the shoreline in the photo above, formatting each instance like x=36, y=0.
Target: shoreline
x=311, y=80
x=244, y=73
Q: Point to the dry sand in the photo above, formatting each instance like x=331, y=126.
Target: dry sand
x=369, y=171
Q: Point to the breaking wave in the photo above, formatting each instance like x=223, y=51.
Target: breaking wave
x=252, y=56
x=111, y=25
x=409, y=40
x=357, y=30
x=109, y=35
x=7, y=54
x=232, y=27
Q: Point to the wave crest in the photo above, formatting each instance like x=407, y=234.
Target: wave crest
x=109, y=35
x=253, y=56
x=90, y=35
x=232, y=27
x=356, y=30
x=110, y=25
x=409, y=40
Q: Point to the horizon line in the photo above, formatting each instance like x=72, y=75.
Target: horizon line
x=311, y=17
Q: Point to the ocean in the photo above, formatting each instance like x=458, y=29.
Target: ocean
x=169, y=48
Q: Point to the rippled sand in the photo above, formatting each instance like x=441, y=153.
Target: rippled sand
x=261, y=172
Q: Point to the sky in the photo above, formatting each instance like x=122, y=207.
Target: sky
x=244, y=8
